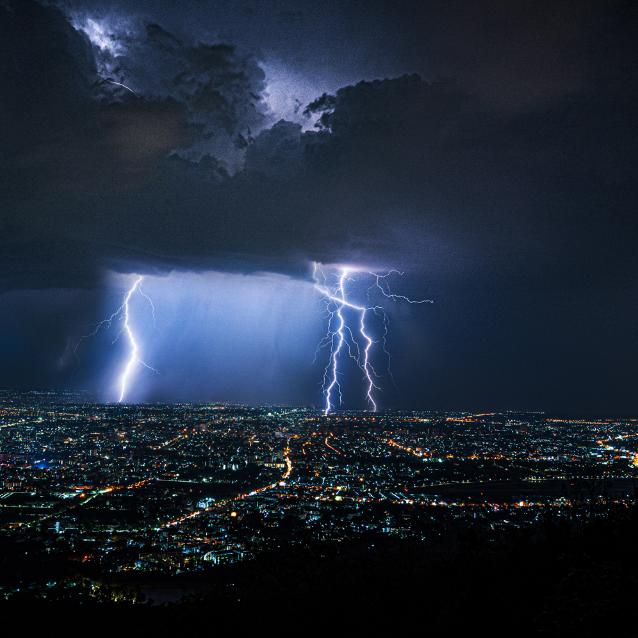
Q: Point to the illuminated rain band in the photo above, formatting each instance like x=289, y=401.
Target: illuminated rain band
x=339, y=334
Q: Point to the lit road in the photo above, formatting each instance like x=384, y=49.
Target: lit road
x=238, y=497
x=332, y=447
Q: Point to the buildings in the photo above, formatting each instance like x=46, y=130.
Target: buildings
x=110, y=492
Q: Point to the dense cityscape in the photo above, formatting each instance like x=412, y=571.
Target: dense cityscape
x=127, y=502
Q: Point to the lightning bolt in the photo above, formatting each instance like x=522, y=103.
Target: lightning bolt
x=339, y=334
x=123, y=314
x=134, y=358
x=120, y=84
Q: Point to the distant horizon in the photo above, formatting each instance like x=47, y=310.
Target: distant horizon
x=316, y=408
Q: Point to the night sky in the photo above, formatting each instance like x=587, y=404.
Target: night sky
x=486, y=149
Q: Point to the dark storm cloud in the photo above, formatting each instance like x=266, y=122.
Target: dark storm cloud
x=513, y=54
x=218, y=89
x=74, y=143
x=428, y=175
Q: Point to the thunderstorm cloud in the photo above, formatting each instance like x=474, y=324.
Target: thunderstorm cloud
x=189, y=170
x=488, y=148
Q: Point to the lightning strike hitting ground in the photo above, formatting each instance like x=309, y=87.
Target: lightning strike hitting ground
x=134, y=357
x=123, y=313
x=339, y=333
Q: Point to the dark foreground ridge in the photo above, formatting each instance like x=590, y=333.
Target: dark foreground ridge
x=559, y=578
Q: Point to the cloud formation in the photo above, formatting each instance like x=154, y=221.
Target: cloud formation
x=487, y=148
x=183, y=171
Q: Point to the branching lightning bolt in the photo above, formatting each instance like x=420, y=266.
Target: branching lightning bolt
x=123, y=314
x=339, y=334
x=386, y=292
